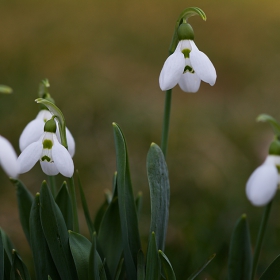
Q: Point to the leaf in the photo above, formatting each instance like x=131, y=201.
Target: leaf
x=80, y=248
x=110, y=237
x=240, y=255
x=44, y=264
x=119, y=271
x=193, y=276
x=128, y=215
x=93, y=272
x=166, y=266
x=56, y=234
x=25, y=200
x=159, y=193
x=65, y=205
x=18, y=270
x=274, y=124
x=152, y=264
x=273, y=271
x=85, y=207
x=99, y=215
x=140, y=266
x=7, y=254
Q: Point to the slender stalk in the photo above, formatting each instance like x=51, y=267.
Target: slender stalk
x=260, y=238
x=52, y=185
x=166, y=121
x=73, y=198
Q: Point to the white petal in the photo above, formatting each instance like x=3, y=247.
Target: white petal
x=202, y=65
x=70, y=140
x=62, y=159
x=172, y=70
x=49, y=168
x=189, y=82
x=31, y=133
x=262, y=185
x=8, y=158
x=44, y=115
x=30, y=156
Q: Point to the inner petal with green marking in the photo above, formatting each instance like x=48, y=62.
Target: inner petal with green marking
x=47, y=144
x=186, y=53
x=188, y=68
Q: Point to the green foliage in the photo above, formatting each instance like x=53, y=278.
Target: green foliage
x=273, y=271
x=153, y=264
x=166, y=267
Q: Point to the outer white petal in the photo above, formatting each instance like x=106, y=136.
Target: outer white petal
x=49, y=168
x=70, y=140
x=172, y=70
x=30, y=156
x=44, y=115
x=8, y=158
x=262, y=184
x=31, y=133
x=189, y=82
x=202, y=65
x=62, y=159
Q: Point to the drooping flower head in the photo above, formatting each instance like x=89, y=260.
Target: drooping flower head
x=8, y=158
x=54, y=157
x=186, y=66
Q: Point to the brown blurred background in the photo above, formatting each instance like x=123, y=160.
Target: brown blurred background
x=103, y=60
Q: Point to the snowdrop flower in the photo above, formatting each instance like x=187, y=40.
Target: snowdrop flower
x=8, y=158
x=187, y=66
x=34, y=130
x=54, y=158
x=263, y=183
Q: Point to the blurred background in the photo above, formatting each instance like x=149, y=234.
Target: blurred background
x=103, y=60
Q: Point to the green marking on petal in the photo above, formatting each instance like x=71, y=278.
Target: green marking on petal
x=47, y=144
x=188, y=69
x=46, y=158
x=186, y=53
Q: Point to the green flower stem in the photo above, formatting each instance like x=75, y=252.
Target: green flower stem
x=73, y=198
x=260, y=238
x=52, y=185
x=166, y=121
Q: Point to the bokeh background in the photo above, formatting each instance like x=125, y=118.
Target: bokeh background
x=103, y=59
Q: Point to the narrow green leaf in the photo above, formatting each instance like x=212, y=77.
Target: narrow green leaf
x=152, y=264
x=193, y=276
x=8, y=245
x=5, y=89
x=80, y=248
x=56, y=234
x=274, y=124
x=110, y=237
x=85, y=207
x=159, y=193
x=43, y=262
x=273, y=271
x=99, y=215
x=93, y=271
x=140, y=266
x=64, y=203
x=166, y=266
x=7, y=254
x=120, y=270
x=25, y=200
x=7, y=266
x=127, y=208
x=240, y=255
x=19, y=270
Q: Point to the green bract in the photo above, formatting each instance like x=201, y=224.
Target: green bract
x=185, y=32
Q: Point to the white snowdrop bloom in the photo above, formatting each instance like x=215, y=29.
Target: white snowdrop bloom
x=187, y=66
x=34, y=130
x=8, y=158
x=54, y=158
x=263, y=183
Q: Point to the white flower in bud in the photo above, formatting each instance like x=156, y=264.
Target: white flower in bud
x=187, y=66
x=8, y=158
x=54, y=158
x=34, y=130
x=263, y=183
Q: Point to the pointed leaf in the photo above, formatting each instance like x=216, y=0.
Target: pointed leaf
x=85, y=207
x=159, y=193
x=152, y=264
x=65, y=205
x=128, y=215
x=240, y=255
x=273, y=271
x=140, y=266
x=56, y=234
x=110, y=237
x=120, y=270
x=8, y=256
x=93, y=271
x=44, y=264
x=80, y=248
x=166, y=267
x=25, y=200
x=19, y=270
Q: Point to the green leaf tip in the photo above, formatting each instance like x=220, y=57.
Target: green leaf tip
x=191, y=11
x=5, y=89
